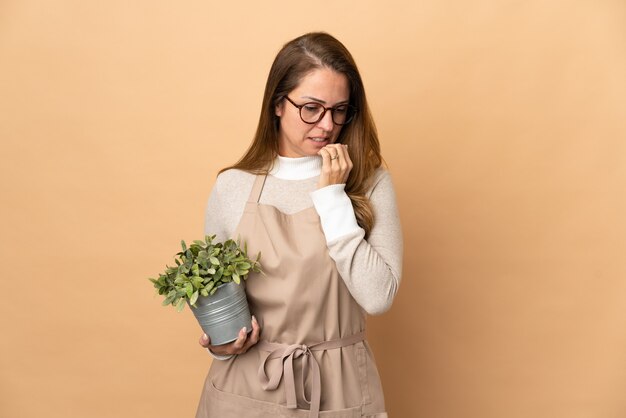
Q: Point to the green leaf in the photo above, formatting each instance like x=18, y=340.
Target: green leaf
x=182, y=244
x=236, y=278
x=215, y=261
x=193, y=298
x=180, y=305
x=204, y=292
x=170, y=297
x=199, y=243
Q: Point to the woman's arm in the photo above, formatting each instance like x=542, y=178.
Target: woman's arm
x=371, y=269
x=220, y=219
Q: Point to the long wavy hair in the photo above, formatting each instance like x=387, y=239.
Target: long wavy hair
x=295, y=60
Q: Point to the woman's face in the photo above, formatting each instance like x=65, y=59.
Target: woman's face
x=299, y=139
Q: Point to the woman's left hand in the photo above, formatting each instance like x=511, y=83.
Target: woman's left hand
x=239, y=346
x=336, y=165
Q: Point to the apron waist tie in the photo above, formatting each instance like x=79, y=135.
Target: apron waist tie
x=287, y=354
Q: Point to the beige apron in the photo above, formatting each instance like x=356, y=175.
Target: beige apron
x=312, y=354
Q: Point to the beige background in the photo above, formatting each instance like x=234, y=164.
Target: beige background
x=503, y=126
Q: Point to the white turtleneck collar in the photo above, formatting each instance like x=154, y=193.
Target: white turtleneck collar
x=299, y=168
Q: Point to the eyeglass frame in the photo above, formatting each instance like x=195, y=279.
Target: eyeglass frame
x=332, y=110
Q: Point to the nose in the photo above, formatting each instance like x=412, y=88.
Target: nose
x=326, y=123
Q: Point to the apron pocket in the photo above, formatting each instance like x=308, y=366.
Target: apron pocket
x=228, y=405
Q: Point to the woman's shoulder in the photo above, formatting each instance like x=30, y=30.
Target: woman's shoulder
x=233, y=178
x=380, y=172
x=233, y=186
x=380, y=178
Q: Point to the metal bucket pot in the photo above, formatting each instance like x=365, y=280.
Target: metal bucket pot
x=223, y=314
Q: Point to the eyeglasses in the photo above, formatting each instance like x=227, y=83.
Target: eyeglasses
x=313, y=112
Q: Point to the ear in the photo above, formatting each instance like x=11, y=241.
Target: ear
x=280, y=106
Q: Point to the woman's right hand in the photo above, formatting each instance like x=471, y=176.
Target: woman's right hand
x=239, y=346
x=336, y=165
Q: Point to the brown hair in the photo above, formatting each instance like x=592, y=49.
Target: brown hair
x=295, y=60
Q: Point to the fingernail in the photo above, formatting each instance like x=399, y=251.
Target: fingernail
x=244, y=330
x=254, y=319
x=205, y=337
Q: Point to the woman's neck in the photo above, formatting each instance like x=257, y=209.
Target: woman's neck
x=299, y=168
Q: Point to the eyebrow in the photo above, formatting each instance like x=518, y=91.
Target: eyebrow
x=322, y=101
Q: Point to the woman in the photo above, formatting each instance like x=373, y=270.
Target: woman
x=311, y=196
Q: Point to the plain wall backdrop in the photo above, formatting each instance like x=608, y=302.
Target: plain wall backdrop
x=503, y=125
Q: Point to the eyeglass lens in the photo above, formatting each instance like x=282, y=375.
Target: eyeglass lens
x=314, y=112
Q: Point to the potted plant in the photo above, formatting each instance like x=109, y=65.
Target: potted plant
x=209, y=278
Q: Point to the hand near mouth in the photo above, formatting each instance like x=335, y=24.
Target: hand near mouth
x=336, y=165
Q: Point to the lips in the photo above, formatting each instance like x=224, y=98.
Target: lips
x=318, y=139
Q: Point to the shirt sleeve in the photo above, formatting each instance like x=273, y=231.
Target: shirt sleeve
x=335, y=210
x=218, y=357
x=371, y=269
x=214, y=222
x=214, y=225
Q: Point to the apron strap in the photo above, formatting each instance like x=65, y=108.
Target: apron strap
x=287, y=354
x=257, y=187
